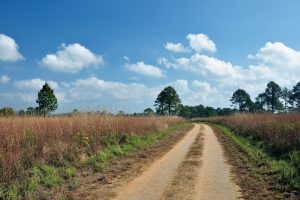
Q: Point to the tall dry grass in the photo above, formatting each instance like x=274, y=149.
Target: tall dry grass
x=25, y=141
x=280, y=132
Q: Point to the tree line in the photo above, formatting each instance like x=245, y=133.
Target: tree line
x=169, y=103
x=274, y=99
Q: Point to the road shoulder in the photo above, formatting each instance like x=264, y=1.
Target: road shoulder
x=107, y=184
x=255, y=180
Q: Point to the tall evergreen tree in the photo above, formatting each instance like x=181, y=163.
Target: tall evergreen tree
x=273, y=94
x=259, y=103
x=286, y=97
x=296, y=95
x=241, y=99
x=160, y=103
x=167, y=100
x=46, y=100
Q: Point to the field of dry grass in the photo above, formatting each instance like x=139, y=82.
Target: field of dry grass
x=280, y=131
x=26, y=141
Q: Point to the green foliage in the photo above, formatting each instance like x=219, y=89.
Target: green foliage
x=148, y=111
x=295, y=96
x=49, y=176
x=272, y=96
x=32, y=111
x=167, y=101
x=259, y=103
x=202, y=111
x=33, y=185
x=35, y=179
x=287, y=99
x=1, y=192
x=13, y=192
x=46, y=100
x=69, y=172
x=241, y=99
x=184, y=111
x=110, y=140
x=21, y=113
x=272, y=99
x=7, y=111
x=73, y=185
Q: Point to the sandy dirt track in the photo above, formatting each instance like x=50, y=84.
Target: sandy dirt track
x=151, y=184
x=212, y=179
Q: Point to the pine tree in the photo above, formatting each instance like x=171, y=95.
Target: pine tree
x=46, y=100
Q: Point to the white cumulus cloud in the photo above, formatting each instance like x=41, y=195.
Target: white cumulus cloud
x=147, y=70
x=94, y=88
x=205, y=66
x=9, y=50
x=34, y=84
x=72, y=58
x=176, y=47
x=279, y=55
x=4, y=79
x=201, y=42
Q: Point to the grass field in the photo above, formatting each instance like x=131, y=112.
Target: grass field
x=37, y=151
x=270, y=139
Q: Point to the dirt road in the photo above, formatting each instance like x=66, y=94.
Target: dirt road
x=210, y=180
x=214, y=178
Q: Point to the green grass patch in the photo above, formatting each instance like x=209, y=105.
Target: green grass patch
x=13, y=192
x=69, y=172
x=287, y=169
x=133, y=143
x=1, y=192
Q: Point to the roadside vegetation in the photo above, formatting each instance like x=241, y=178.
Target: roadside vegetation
x=38, y=154
x=272, y=140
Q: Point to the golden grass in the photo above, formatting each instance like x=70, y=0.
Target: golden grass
x=27, y=140
x=280, y=132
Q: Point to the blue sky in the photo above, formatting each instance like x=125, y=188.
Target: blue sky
x=118, y=55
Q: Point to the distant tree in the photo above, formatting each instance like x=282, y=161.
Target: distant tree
x=21, y=112
x=46, y=100
x=225, y=111
x=258, y=105
x=76, y=111
x=287, y=99
x=241, y=99
x=184, y=111
x=273, y=94
x=121, y=113
x=7, y=111
x=295, y=96
x=30, y=111
x=210, y=112
x=167, y=100
x=199, y=111
x=148, y=111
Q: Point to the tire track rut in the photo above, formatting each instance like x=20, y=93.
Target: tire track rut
x=195, y=168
